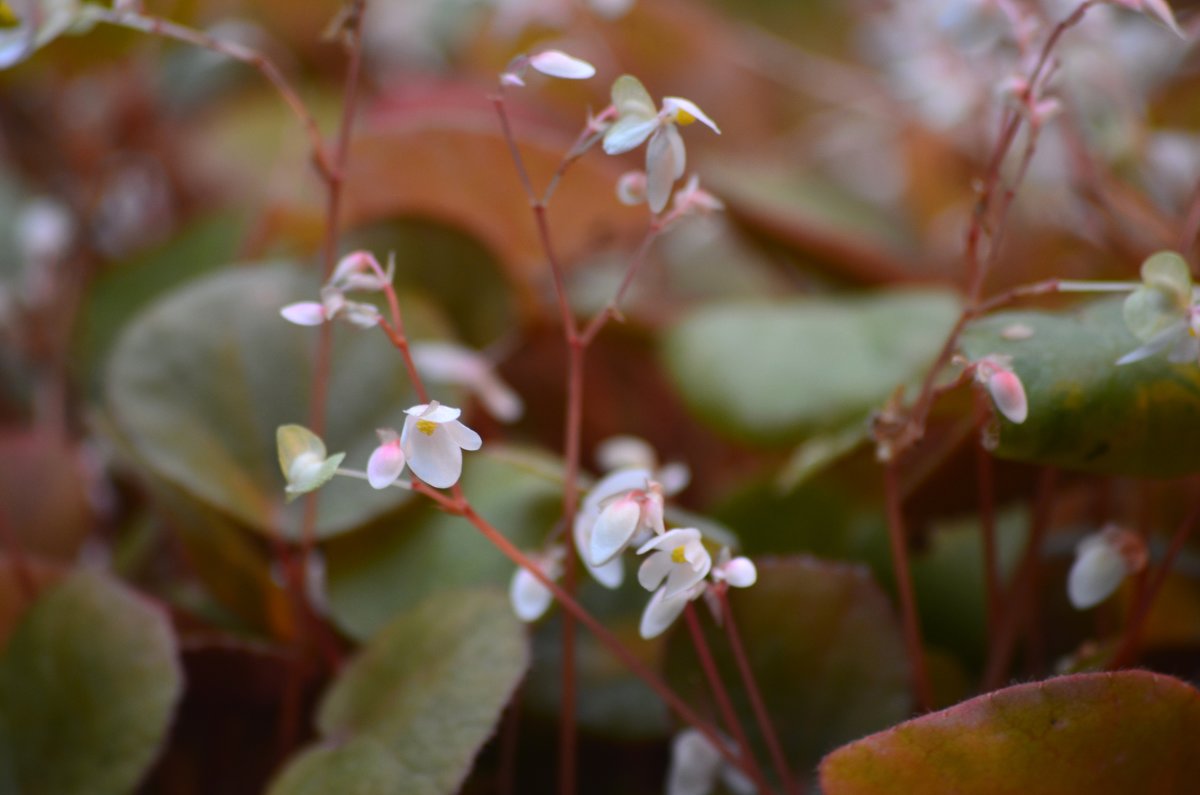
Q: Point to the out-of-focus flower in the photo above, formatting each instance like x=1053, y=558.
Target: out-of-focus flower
x=996, y=374
x=639, y=120
x=530, y=598
x=621, y=519
x=691, y=198
x=303, y=459
x=553, y=63
x=1161, y=312
x=1102, y=562
x=26, y=25
x=738, y=572
x=1157, y=9
x=696, y=766
x=447, y=363
x=358, y=271
x=433, y=440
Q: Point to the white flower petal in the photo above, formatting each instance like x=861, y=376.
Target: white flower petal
x=678, y=153
x=631, y=98
x=628, y=133
x=655, y=569
x=500, y=400
x=612, y=530
x=673, y=477
x=660, y=170
x=304, y=313
x=611, y=485
x=558, y=64
x=621, y=452
x=683, y=576
x=434, y=458
x=463, y=436
x=610, y=575
x=680, y=536
x=530, y=599
x=660, y=613
x=740, y=573
x=385, y=465
x=434, y=412
x=1156, y=344
x=1096, y=573
x=684, y=111
x=695, y=764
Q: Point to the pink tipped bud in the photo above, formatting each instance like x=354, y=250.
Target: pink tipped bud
x=1009, y=394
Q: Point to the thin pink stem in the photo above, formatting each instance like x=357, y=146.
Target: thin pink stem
x=765, y=726
x=922, y=688
x=724, y=704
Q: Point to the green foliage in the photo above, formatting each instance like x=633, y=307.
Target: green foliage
x=775, y=373
x=1085, y=412
x=87, y=690
x=412, y=710
x=1117, y=733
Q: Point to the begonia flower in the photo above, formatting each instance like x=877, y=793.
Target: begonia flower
x=387, y=461
x=638, y=121
x=433, y=440
x=1102, y=562
x=303, y=459
x=1162, y=312
x=678, y=557
x=529, y=597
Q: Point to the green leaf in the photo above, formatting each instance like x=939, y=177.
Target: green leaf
x=1085, y=412
x=1132, y=731
x=87, y=689
x=776, y=373
x=428, y=690
x=201, y=380
x=386, y=569
x=826, y=651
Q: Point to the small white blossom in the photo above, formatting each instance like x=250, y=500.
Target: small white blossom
x=678, y=557
x=639, y=120
x=387, y=460
x=447, y=363
x=433, y=440
x=358, y=271
x=553, y=63
x=303, y=459
x=738, y=572
x=696, y=765
x=621, y=519
x=1102, y=562
x=530, y=598
x=612, y=573
x=1008, y=393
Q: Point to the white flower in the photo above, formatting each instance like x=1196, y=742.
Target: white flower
x=622, y=518
x=739, y=572
x=638, y=120
x=611, y=573
x=303, y=460
x=433, y=440
x=333, y=305
x=359, y=270
x=387, y=460
x=1102, y=562
x=448, y=363
x=553, y=63
x=696, y=764
x=33, y=24
x=1008, y=393
x=530, y=598
x=661, y=611
x=679, y=557
x=1162, y=312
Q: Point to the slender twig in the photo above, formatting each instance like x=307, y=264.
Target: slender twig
x=1018, y=597
x=922, y=688
x=724, y=705
x=1127, y=652
x=765, y=727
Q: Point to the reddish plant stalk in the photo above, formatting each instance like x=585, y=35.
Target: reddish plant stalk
x=721, y=696
x=922, y=688
x=1127, y=651
x=765, y=727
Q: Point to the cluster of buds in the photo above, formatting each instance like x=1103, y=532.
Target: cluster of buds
x=358, y=271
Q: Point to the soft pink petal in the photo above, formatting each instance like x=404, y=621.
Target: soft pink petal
x=304, y=313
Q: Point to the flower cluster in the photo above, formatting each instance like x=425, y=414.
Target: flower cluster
x=358, y=271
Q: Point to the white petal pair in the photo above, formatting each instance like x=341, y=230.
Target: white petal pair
x=431, y=444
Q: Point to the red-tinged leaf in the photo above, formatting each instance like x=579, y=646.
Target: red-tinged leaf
x=1132, y=731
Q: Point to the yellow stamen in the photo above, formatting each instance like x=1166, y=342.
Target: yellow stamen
x=426, y=427
x=683, y=118
x=678, y=556
x=8, y=17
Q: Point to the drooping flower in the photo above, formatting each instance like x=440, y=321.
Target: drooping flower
x=553, y=63
x=1102, y=562
x=433, y=440
x=303, y=459
x=677, y=556
x=447, y=363
x=639, y=120
x=358, y=271
x=387, y=461
x=996, y=374
x=696, y=765
x=1162, y=313
x=529, y=597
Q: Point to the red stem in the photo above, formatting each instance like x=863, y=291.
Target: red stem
x=922, y=689
x=765, y=726
x=724, y=704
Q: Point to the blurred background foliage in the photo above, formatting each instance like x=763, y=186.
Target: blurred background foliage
x=145, y=368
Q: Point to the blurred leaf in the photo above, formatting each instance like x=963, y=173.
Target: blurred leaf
x=1085, y=412
x=115, y=297
x=389, y=568
x=775, y=373
x=428, y=689
x=200, y=381
x=1132, y=731
x=87, y=689
x=826, y=651
x=823, y=449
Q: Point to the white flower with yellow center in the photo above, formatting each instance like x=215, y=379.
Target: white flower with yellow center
x=638, y=120
x=433, y=440
x=679, y=557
